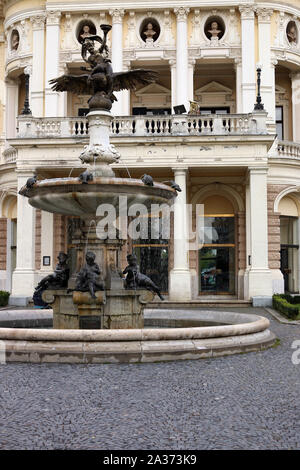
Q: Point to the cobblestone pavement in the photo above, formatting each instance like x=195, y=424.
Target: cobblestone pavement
x=246, y=401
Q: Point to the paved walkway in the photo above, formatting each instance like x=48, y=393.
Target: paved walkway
x=247, y=401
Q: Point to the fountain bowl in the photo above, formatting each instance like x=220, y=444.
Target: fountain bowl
x=68, y=196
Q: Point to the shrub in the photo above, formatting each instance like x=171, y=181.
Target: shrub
x=288, y=305
x=4, y=296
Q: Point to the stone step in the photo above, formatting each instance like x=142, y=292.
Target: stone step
x=199, y=303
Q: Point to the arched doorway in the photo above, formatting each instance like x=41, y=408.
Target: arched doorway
x=217, y=256
x=289, y=242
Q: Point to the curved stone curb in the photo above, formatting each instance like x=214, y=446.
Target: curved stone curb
x=134, y=351
x=241, y=333
x=257, y=324
x=281, y=318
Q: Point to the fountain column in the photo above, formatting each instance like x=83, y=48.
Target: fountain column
x=180, y=276
x=24, y=276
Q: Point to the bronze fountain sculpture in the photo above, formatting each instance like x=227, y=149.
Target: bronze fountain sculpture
x=101, y=81
x=94, y=293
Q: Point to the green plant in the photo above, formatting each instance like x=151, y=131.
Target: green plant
x=288, y=305
x=4, y=296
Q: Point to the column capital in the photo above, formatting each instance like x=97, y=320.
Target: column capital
x=38, y=22
x=117, y=15
x=258, y=170
x=181, y=13
x=53, y=17
x=264, y=14
x=180, y=170
x=247, y=12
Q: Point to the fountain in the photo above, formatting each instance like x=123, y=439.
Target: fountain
x=95, y=297
x=96, y=316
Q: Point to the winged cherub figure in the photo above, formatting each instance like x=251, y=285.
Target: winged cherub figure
x=100, y=81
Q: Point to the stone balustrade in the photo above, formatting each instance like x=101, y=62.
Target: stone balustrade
x=288, y=149
x=147, y=126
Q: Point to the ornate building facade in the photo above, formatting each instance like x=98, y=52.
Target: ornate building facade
x=240, y=164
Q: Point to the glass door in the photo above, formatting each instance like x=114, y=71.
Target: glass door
x=217, y=255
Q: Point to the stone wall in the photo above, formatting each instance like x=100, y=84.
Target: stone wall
x=274, y=226
x=38, y=229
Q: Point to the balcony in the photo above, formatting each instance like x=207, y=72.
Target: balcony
x=146, y=126
x=288, y=149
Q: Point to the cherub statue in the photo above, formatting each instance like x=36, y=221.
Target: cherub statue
x=135, y=279
x=100, y=81
x=57, y=280
x=89, y=278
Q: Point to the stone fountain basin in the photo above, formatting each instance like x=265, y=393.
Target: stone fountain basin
x=239, y=333
x=68, y=196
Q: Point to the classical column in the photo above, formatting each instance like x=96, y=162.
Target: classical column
x=295, y=79
x=238, y=85
x=180, y=276
x=47, y=241
x=191, y=68
x=182, y=94
x=267, y=69
x=38, y=64
x=11, y=108
x=258, y=272
x=52, y=61
x=24, y=276
x=173, y=83
x=125, y=97
x=248, y=58
x=117, y=53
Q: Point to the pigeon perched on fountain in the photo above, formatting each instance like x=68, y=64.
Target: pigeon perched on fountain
x=31, y=182
x=173, y=185
x=85, y=177
x=147, y=180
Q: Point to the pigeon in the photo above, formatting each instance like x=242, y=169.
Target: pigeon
x=85, y=177
x=147, y=180
x=174, y=185
x=31, y=182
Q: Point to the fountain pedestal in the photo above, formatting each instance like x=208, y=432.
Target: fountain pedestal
x=113, y=309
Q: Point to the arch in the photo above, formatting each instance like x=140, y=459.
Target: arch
x=287, y=206
x=222, y=190
x=292, y=191
x=9, y=206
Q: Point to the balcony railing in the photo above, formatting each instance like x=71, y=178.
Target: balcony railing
x=146, y=126
x=288, y=149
